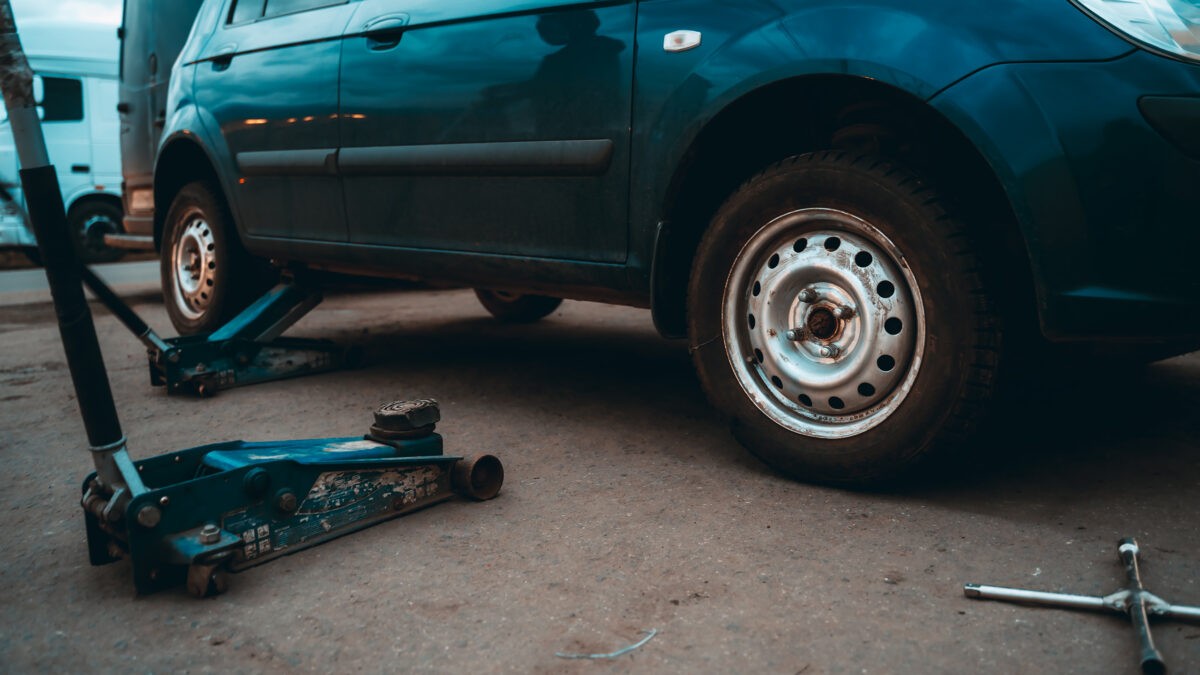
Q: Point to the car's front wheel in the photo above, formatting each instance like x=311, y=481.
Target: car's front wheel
x=206, y=276
x=837, y=315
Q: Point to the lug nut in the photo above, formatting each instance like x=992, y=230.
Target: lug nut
x=829, y=351
x=794, y=334
x=210, y=534
x=807, y=295
x=844, y=312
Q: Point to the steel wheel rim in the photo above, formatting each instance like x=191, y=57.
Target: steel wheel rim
x=194, y=267
x=857, y=307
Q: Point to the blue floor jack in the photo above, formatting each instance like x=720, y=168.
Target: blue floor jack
x=247, y=350
x=194, y=515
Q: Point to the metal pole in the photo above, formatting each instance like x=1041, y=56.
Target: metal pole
x=1152, y=660
x=984, y=592
x=45, y=204
x=123, y=312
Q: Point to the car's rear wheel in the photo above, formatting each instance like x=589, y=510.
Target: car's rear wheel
x=207, y=278
x=517, y=307
x=837, y=316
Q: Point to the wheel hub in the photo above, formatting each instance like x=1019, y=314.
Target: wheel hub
x=94, y=229
x=194, y=267
x=822, y=324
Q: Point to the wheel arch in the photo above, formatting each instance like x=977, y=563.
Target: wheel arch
x=100, y=197
x=817, y=112
x=182, y=160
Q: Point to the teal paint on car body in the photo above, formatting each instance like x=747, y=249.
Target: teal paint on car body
x=1089, y=185
x=569, y=149
x=532, y=108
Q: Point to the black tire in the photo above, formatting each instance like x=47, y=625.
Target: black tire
x=90, y=220
x=515, y=307
x=830, y=228
x=221, y=279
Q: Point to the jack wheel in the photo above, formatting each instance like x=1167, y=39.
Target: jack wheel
x=206, y=581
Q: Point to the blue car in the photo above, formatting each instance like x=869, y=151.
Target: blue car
x=860, y=215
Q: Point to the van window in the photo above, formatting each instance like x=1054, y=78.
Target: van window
x=62, y=100
x=277, y=7
x=246, y=10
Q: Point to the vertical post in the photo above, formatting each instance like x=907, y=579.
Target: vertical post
x=47, y=214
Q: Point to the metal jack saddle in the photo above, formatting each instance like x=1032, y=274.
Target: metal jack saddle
x=247, y=350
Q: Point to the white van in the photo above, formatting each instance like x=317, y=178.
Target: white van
x=75, y=65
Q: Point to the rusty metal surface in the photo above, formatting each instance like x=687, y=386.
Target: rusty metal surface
x=16, y=77
x=338, y=502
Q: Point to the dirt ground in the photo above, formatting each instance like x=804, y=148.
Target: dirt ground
x=627, y=508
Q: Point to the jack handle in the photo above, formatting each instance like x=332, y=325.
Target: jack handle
x=125, y=314
x=39, y=181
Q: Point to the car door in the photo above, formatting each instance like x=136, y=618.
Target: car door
x=488, y=126
x=268, y=76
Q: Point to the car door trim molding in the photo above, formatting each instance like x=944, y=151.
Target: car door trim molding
x=590, y=157
x=311, y=162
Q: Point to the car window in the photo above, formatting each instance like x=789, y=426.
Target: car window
x=62, y=100
x=277, y=7
x=245, y=10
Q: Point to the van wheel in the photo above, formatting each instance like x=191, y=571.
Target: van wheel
x=515, y=307
x=207, y=277
x=837, y=316
x=90, y=220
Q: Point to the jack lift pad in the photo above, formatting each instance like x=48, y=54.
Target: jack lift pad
x=228, y=506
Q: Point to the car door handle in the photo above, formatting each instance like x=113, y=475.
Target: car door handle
x=384, y=32
x=223, y=57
